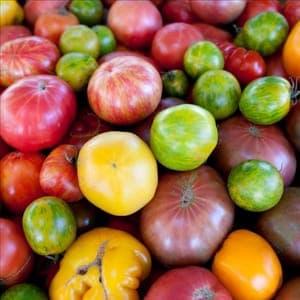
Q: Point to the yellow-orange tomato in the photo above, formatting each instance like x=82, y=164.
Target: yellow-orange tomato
x=10, y=12
x=291, y=52
x=117, y=172
x=248, y=266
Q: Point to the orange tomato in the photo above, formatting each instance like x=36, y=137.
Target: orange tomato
x=51, y=25
x=248, y=266
x=291, y=52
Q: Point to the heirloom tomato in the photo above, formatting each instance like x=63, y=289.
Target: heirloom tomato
x=247, y=266
x=11, y=12
x=117, y=172
x=24, y=291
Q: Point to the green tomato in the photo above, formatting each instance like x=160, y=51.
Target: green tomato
x=76, y=68
x=219, y=92
x=88, y=12
x=201, y=57
x=49, y=225
x=266, y=100
x=107, y=39
x=24, y=291
x=265, y=32
x=183, y=136
x=79, y=38
x=255, y=185
x=175, y=83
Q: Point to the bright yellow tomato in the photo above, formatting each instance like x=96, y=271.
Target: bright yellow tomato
x=11, y=12
x=248, y=266
x=117, y=172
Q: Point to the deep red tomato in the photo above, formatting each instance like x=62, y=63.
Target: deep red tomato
x=27, y=56
x=11, y=32
x=53, y=24
x=134, y=23
x=292, y=125
x=291, y=11
x=274, y=65
x=19, y=179
x=178, y=11
x=42, y=120
x=254, y=7
x=245, y=65
x=16, y=257
x=171, y=41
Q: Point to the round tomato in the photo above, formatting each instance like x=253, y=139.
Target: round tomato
x=265, y=32
x=49, y=225
x=183, y=136
x=106, y=38
x=266, y=100
x=53, y=24
x=247, y=266
x=24, y=291
x=221, y=99
x=11, y=12
x=175, y=83
x=291, y=11
x=291, y=52
x=15, y=265
x=117, y=172
x=11, y=32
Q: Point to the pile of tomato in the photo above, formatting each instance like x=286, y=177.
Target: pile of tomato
x=150, y=149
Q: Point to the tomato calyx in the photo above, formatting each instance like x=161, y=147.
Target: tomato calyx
x=254, y=131
x=204, y=293
x=295, y=91
x=187, y=194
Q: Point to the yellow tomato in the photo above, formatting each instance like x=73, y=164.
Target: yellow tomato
x=248, y=266
x=103, y=263
x=117, y=172
x=11, y=12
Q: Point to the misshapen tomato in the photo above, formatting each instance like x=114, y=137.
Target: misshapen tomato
x=247, y=266
x=291, y=52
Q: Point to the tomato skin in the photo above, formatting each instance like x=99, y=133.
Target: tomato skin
x=291, y=10
x=245, y=65
x=291, y=52
x=15, y=265
x=53, y=24
x=231, y=265
x=11, y=13
x=290, y=289
x=11, y=32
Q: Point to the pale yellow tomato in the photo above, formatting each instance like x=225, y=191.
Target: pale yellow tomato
x=117, y=172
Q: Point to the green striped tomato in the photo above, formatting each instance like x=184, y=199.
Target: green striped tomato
x=266, y=100
x=49, y=225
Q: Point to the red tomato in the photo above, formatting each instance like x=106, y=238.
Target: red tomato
x=170, y=43
x=16, y=257
x=11, y=32
x=274, y=65
x=134, y=23
x=290, y=290
x=254, y=7
x=42, y=120
x=291, y=11
x=178, y=11
x=245, y=65
x=19, y=179
x=53, y=24
x=27, y=56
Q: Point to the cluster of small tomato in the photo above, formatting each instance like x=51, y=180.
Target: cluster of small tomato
x=85, y=256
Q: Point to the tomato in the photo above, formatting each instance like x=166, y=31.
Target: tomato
x=292, y=125
x=290, y=289
x=291, y=52
x=88, y=12
x=106, y=38
x=254, y=7
x=51, y=105
x=11, y=12
x=15, y=265
x=11, y=32
x=76, y=68
x=255, y=185
x=19, y=179
x=134, y=23
x=49, y=225
x=266, y=100
x=27, y=56
x=175, y=83
x=275, y=66
x=183, y=136
x=51, y=25
x=79, y=38
x=245, y=65
x=170, y=43
x=201, y=57
x=265, y=32
x=247, y=266
x=24, y=291
x=109, y=168
x=221, y=99
x=291, y=11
